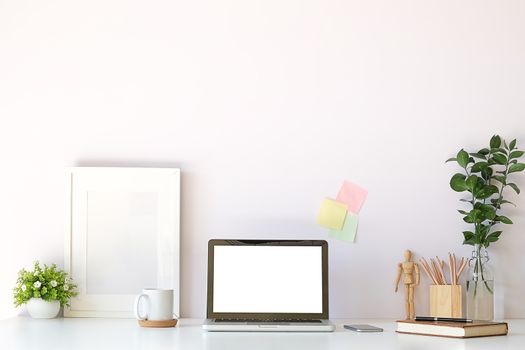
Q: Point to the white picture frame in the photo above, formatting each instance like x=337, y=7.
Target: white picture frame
x=123, y=235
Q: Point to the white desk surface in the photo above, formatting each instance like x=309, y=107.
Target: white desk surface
x=98, y=334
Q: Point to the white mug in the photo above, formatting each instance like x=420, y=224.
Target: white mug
x=158, y=305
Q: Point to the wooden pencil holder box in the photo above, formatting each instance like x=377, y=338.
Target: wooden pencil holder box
x=445, y=301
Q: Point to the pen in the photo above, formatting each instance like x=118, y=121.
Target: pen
x=443, y=319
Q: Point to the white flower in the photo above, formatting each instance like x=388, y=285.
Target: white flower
x=37, y=284
x=66, y=287
x=66, y=281
x=54, y=283
x=24, y=287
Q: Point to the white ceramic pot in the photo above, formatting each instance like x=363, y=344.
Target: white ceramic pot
x=39, y=308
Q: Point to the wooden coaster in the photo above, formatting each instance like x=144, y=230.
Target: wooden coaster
x=158, y=324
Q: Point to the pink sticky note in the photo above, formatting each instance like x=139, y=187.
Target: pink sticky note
x=352, y=195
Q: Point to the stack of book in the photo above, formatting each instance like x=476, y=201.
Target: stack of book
x=453, y=329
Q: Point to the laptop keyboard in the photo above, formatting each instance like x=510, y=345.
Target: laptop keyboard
x=267, y=321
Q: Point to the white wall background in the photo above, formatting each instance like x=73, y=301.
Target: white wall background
x=266, y=106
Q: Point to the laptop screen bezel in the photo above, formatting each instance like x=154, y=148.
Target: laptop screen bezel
x=267, y=316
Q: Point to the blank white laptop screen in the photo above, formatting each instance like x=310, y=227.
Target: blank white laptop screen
x=268, y=279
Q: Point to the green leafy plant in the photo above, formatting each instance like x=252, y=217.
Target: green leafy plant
x=485, y=177
x=48, y=283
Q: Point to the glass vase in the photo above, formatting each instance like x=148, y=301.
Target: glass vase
x=480, y=286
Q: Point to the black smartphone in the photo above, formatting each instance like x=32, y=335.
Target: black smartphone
x=363, y=328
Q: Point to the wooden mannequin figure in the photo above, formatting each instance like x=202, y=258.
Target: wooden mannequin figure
x=408, y=268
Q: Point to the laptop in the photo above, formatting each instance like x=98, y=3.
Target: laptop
x=267, y=286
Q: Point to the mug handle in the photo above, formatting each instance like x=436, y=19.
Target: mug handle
x=136, y=309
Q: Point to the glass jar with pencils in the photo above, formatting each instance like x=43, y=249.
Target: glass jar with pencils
x=480, y=286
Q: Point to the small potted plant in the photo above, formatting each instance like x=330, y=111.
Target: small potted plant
x=44, y=290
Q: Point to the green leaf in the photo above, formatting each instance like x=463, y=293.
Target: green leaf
x=471, y=182
x=478, y=155
x=505, y=145
x=504, y=201
x=495, y=141
x=469, y=238
x=514, y=187
x=488, y=211
x=484, y=229
x=503, y=219
x=486, y=173
x=457, y=183
x=451, y=160
x=466, y=200
x=494, y=236
x=484, y=151
x=498, y=150
x=516, y=167
x=477, y=167
x=516, y=154
x=486, y=191
x=512, y=144
x=468, y=235
x=463, y=212
x=462, y=158
x=500, y=178
x=475, y=216
x=469, y=219
x=480, y=184
x=499, y=158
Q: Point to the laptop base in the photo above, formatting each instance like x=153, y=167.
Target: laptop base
x=212, y=325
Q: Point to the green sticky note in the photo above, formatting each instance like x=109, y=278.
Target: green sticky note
x=349, y=229
x=332, y=214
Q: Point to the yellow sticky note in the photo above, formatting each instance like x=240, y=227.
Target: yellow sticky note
x=332, y=214
x=349, y=229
